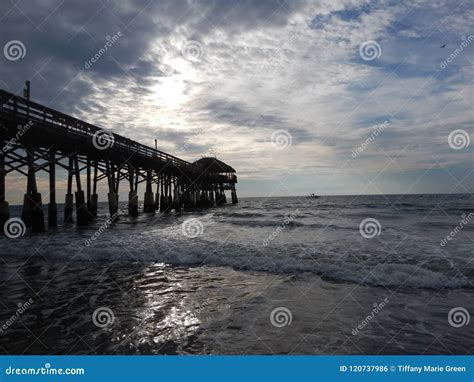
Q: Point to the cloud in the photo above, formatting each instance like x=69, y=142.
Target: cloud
x=261, y=66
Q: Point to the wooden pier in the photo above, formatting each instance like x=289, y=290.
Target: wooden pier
x=36, y=138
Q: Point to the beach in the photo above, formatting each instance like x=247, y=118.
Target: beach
x=267, y=276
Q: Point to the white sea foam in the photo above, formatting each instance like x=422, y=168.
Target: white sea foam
x=328, y=244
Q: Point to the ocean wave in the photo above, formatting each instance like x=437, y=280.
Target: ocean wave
x=388, y=275
x=282, y=222
x=402, y=255
x=148, y=248
x=263, y=223
x=240, y=215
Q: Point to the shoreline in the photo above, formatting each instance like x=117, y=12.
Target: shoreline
x=163, y=309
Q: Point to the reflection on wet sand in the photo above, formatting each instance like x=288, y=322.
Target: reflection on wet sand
x=163, y=309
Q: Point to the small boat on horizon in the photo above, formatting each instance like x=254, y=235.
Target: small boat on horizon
x=313, y=196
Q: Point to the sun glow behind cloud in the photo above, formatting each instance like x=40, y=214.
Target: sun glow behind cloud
x=221, y=77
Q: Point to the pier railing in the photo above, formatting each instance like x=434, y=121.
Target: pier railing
x=22, y=110
x=58, y=139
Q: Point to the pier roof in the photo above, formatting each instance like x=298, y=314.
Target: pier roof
x=214, y=165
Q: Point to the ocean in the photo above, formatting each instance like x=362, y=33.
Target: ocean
x=283, y=275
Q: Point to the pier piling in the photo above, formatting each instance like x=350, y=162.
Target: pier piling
x=148, y=201
x=69, y=202
x=61, y=140
x=132, y=194
x=82, y=214
x=4, y=206
x=33, y=197
x=94, y=196
x=52, y=208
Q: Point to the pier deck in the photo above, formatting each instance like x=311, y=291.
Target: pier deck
x=37, y=138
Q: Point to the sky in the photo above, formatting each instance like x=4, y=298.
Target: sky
x=330, y=97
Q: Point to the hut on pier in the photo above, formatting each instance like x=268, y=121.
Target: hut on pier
x=215, y=166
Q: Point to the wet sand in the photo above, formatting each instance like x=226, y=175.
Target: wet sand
x=164, y=309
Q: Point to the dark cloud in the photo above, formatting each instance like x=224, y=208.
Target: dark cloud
x=142, y=86
x=61, y=37
x=240, y=115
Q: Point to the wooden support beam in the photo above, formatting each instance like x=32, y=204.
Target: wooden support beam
x=4, y=207
x=33, y=207
x=132, y=195
x=112, y=196
x=2, y=177
x=149, y=202
x=88, y=184
x=77, y=173
x=81, y=206
x=94, y=196
x=52, y=208
x=69, y=202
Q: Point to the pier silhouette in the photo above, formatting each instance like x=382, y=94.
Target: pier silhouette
x=37, y=138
